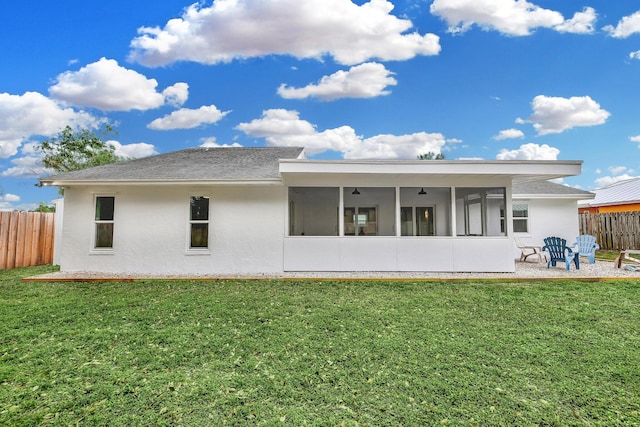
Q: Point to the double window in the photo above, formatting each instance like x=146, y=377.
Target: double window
x=104, y=222
x=199, y=222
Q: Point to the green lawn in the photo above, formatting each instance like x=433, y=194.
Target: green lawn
x=319, y=353
x=611, y=256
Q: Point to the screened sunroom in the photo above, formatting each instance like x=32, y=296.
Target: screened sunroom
x=400, y=216
x=373, y=211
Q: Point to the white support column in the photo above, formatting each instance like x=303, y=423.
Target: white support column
x=508, y=212
x=484, y=218
x=398, y=228
x=341, y=212
x=454, y=231
x=287, y=213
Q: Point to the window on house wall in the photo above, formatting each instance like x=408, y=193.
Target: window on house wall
x=199, y=222
x=104, y=222
x=520, y=218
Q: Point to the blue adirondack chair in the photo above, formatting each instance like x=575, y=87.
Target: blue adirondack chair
x=586, y=245
x=559, y=251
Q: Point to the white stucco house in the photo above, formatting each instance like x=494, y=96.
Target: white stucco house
x=271, y=210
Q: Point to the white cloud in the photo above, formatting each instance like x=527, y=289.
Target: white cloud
x=177, y=94
x=556, y=114
x=635, y=55
x=511, y=17
x=617, y=170
x=10, y=198
x=608, y=180
x=397, y=146
x=211, y=142
x=29, y=165
x=285, y=128
x=367, y=80
x=26, y=167
x=31, y=149
x=626, y=26
x=133, y=151
x=32, y=113
x=7, y=202
x=509, y=134
x=107, y=86
x=581, y=23
x=186, y=118
x=231, y=29
x=529, y=151
x=635, y=139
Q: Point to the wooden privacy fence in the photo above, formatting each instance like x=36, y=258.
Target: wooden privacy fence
x=26, y=239
x=613, y=231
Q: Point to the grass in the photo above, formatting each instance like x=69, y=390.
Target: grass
x=318, y=353
x=607, y=255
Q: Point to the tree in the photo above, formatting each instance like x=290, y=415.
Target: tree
x=44, y=208
x=431, y=156
x=72, y=150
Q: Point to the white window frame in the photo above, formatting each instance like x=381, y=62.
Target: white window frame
x=526, y=219
x=198, y=250
x=102, y=250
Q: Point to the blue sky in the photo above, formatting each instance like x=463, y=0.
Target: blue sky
x=473, y=79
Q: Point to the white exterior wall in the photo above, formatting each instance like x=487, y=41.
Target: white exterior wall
x=382, y=253
x=549, y=217
x=151, y=230
x=247, y=229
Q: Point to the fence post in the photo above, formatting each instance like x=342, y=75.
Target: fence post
x=5, y=218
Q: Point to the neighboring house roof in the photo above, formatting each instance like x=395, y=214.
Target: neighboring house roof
x=548, y=189
x=619, y=193
x=193, y=164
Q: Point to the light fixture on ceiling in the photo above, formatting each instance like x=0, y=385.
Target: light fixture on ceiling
x=355, y=191
x=421, y=192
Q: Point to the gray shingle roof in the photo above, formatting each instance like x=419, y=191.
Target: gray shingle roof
x=237, y=164
x=191, y=164
x=548, y=188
